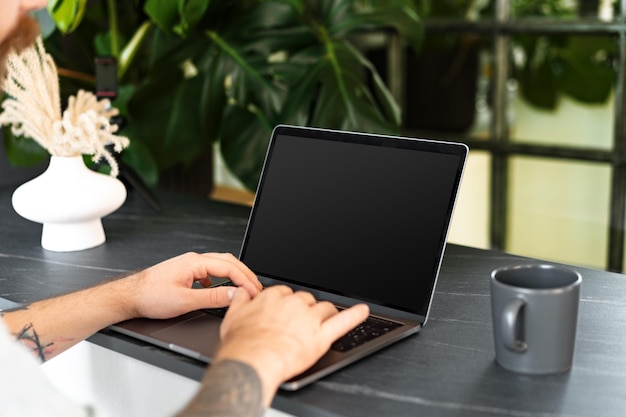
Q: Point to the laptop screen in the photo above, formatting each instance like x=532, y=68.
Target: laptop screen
x=356, y=215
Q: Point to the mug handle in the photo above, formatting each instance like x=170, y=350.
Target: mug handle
x=510, y=313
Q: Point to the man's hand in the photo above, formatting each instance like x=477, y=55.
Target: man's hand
x=165, y=290
x=281, y=333
x=162, y=291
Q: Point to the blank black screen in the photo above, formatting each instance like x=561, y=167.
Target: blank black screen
x=366, y=219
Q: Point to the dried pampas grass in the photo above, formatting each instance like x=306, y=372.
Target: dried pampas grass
x=33, y=109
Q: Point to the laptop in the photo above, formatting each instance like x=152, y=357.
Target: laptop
x=350, y=217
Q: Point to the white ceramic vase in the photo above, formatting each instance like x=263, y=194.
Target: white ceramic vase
x=69, y=200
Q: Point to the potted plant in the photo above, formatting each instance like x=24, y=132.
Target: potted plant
x=68, y=198
x=191, y=73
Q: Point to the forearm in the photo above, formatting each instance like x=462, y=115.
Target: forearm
x=230, y=388
x=49, y=327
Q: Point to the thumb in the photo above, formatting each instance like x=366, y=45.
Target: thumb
x=213, y=297
x=238, y=296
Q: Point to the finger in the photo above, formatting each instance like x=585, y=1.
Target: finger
x=238, y=299
x=208, y=282
x=227, y=266
x=307, y=297
x=325, y=309
x=277, y=290
x=240, y=266
x=242, y=276
x=344, y=321
x=205, y=282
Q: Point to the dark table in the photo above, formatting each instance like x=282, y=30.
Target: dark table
x=446, y=370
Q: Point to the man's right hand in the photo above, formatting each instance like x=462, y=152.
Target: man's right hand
x=281, y=333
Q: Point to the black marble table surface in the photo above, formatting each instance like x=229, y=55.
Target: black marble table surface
x=448, y=369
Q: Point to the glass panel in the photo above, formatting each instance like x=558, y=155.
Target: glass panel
x=602, y=9
x=565, y=86
x=464, y=9
x=559, y=210
x=554, y=9
x=520, y=9
x=565, y=9
x=470, y=223
x=573, y=124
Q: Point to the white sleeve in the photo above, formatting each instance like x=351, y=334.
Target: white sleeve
x=25, y=390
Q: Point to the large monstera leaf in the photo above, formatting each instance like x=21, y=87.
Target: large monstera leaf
x=193, y=72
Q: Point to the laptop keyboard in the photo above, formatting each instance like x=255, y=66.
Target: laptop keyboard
x=371, y=328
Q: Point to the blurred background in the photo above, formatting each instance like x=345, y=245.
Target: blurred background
x=534, y=87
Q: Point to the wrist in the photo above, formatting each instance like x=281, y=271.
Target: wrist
x=121, y=297
x=269, y=367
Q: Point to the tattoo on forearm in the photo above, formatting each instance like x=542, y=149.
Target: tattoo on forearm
x=29, y=337
x=229, y=389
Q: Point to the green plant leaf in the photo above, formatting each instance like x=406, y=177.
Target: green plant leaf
x=138, y=156
x=384, y=14
x=297, y=106
x=166, y=52
x=213, y=98
x=190, y=12
x=388, y=105
x=538, y=86
x=23, y=151
x=345, y=88
x=67, y=14
x=350, y=109
x=244, y=140
x=254, y=64
x=176, y=16
x=131, y=49
x=243, y=63
x=536, y=77
x=271, y=26
x=587, y=74
x=165, y=117
x=577, y=66
x=164, y=13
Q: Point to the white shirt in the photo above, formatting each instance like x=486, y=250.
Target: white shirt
x=24, y=389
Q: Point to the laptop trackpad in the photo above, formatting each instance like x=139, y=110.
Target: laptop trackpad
x=197, y=337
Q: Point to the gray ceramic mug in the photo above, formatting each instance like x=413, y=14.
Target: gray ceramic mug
x=535, y=313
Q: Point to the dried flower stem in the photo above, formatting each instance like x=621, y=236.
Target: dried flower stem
x=33, y=109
